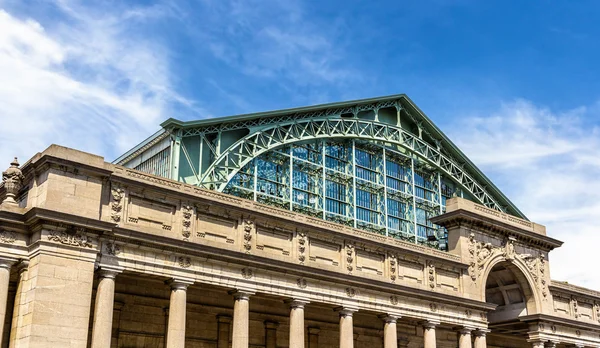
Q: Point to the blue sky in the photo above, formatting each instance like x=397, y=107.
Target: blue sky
x=513, y=83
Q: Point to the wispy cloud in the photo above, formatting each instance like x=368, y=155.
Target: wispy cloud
x=549, y=165
x=86, y=78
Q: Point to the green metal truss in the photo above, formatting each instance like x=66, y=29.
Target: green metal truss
x=230, y=161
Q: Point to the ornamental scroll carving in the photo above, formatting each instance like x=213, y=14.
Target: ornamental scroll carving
x=116, y=205
x=7, y=237
x=480, y=253
x=393, y=267
x=73, y=239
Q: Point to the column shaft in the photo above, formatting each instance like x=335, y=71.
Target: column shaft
x=177, y=311
x=297, y=323
x=480, y=340
x=103, y=311
x=346, y=329
x=429, y=335
x=4, y=280
x=390, y=333
x=241, y=320
x=464, y=339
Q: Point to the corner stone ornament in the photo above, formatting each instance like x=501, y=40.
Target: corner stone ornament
x=13, y=181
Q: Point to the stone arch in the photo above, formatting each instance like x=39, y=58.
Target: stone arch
x=522, y=275
x=259, y=141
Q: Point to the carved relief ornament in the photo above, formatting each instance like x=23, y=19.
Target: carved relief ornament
x=186, y=223
x=349, y=257
x=116, y=205
x=480, y=253
x=7, y=237
x=248, y=227
x=73, y=239
x=302, y=242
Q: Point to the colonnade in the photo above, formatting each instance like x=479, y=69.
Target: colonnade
x=102, y=321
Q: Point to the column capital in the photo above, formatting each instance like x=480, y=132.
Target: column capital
x=296, y=303
x=179, y=284
x=22, y=266
x=7, y=262
x=224, y=318
x=430, y=324
x=480, y=332
x=345, y=311
x=240, y=294
x=551, y=344
x=389, y=318
x=465, y=330
x=108, y=272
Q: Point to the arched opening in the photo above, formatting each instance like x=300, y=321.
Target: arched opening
x=508, y=288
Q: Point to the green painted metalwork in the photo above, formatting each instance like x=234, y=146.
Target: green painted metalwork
x=376, y=145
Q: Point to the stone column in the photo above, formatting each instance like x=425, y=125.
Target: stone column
x=20, y=307
x=464, y=338
x=429, y=334
x=296, y=323
x=313, y=337
x=241, y=318
x=4, y=281
x=346, y=327
x=480, y=339
x=177, y=311
x=223, y=328
x=103, y=311
x=271, y=334
x=390, y=334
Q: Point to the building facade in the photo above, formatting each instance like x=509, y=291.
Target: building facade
x=355, y=224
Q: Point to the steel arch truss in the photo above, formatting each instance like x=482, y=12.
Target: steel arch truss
x=226, y=165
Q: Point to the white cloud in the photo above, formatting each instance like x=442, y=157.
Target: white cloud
x=87, y=78
x=549, y=165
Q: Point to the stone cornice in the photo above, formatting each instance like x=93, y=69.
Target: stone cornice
x=570, y=288
x=559, y=320
x=36, y=216
x=463, y=217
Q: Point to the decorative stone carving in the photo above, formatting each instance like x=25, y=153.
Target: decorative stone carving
x=247, y=273
x=433, y=307
x=350, y=292
x=7, y=237
x=543, y=279
x=187, y=212
x=73, y=239
x=393, y=269
x=302, y=284
x=112, y=249
x=468, y=313
x=472, y=264
x=302, y=242
x=184, y=261
x=575, y=305
x=349, y=257
x=13, y=182
x=394, y=300
x=116, y=206
x=248, y=227
x=431, y=271
x=509, y=249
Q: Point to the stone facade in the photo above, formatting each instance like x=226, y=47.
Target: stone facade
x=98, y=255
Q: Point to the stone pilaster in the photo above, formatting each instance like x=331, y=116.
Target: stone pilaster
x=224, y=329
x=464, y=338
x=103, y=311
x=346, y=327
x=5, y=266
x=241, y=318
x=271, y=334
x=390, y=333
x=177, y=312
x=17, y=328
x=296, y=323
x=313, y=337
x=429, y=339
